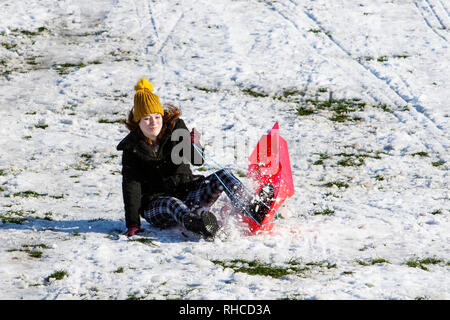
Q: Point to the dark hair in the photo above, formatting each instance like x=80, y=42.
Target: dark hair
x=171, y=114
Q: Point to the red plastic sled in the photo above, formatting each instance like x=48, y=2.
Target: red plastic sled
x=269, y=163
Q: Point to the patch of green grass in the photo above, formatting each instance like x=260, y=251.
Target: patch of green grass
x=207, y=90
x=362, y=263
x=86, y=156
x=18, y=216
x=378, y=260
x=255, y=268
x=437, y=211
x=371, y=262
x=341, y=108
x=72, y=65
x=366, y=58
x=438, y=163
x=35, y=254
x=39, y=245
x=57, y=275
x=91, y=33
x=383, y=106
x=66, y=68
x=15, y=220
x=351, y=162
x=255, y=94
x=382, y=59
x=338, y=184
x=420, y=263
x=401, y=56
x=31, y=61
x=292, y=267
x=31, y=250
x=145, y=241
x=133, y=296
x=355, y=159
x=302, y=267
x=420, y=154
x=81, y=168
x=302, y=111
x=324, y=212
x=8, y=46
x=13, y=216
x=294, y=296
x=315, y=31
x=325, y=264
x=29, y=33
x=289, y=95
x=323, y=156
x=339, y=105
x=291, y=92
x=119, y=270
x=347, y=106
x=433, y=260
x=110, y=121
x=318, y=162
x=331, y=194
x=41, y=126
x=340, y=118
x=379, y=177
x=28, y=194
x=34, y=194
x=86, y=163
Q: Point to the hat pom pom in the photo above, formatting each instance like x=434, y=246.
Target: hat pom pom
x=143, y=84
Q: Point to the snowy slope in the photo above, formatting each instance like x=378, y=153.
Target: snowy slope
x=370, y=216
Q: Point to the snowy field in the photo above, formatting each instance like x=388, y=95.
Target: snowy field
x=360, y=89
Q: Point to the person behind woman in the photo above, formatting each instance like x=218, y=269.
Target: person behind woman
x=159, y=187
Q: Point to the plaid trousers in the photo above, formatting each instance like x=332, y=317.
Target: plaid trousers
x=165, y=212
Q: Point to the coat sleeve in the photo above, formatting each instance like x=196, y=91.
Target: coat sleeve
x=131, y=190
x=197, y=153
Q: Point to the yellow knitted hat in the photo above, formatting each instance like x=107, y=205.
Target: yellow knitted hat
x=145, y=102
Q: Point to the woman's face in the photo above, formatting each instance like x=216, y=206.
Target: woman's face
x=151, y=125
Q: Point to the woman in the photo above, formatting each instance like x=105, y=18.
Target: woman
x=158, y=183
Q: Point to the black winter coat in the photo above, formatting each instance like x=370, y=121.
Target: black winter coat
x=146, y=176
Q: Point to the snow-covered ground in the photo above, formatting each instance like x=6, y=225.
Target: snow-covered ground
x=370, y=214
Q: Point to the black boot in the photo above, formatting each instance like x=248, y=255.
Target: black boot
x=205, y=224
x=260, y=205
